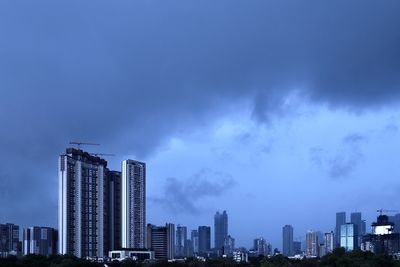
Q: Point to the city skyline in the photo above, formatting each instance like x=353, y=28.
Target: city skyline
x=279, y=112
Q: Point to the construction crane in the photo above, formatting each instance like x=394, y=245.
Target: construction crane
x=78, y=143
x=382, y=210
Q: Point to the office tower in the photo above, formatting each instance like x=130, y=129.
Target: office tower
x=40, y=240
x=114, y=209
x=204, y=239
x=83, y=204
x=161, y=240
x=297, y=247
x=349, y=236
x=340, y=220
x=287, y=240
x=311, y=244
x=181, y=236
x=221, y=230
x=9, y=239
x=133, y=204
x=194, y=237
x=329, y=242
x=355, y=218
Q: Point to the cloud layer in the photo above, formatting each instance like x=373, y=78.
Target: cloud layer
x=131, y=74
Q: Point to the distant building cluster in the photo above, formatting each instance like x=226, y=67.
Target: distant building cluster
x=102, y=216
x=384, y=238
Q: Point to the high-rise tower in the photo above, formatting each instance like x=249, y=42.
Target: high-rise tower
x=287, y=238
x=340, y=220
x=221, y=230
x=133, y=204
x=83, y=204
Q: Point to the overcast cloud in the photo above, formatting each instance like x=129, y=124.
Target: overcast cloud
x=134, y=75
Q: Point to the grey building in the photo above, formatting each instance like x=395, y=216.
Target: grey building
x=39, y=240
x=355, y=218
x=340, y=220
x=133, y=204
x=114, y=209
x=9, y=239
x=204, y=239
x=287, y=240
x=161, y=240
x=221, y=230
x=181, y=237
x=329, y=241
x=194, y=238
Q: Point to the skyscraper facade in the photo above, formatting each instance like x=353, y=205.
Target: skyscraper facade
x=39, y=240
x=287, y=240
x=9, y=239
x=133, y=204
x=340, y=220
x=204, y=239
x=329, y=241
x=181, y=236
x=348, y=236
x=83, y=194
x=161, y=240
x=194, y=237
x=221, y=230
x=355, y=218
x=311, y=244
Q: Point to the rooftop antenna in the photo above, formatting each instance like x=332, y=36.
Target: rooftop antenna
x=78, y=143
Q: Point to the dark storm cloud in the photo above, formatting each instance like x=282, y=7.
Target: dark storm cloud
x=182, y=196
x=129, y=74
x=341, y=163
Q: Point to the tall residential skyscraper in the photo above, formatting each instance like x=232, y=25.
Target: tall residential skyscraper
x=161, y=239
x=194, y=237
x=39, y=240
x=311, y=244
x=340, y=220
x=204, y=239
x=221, y=230
x=329, y=241
x=181, y=236
x=133, y=204
x=287, y=240
x=9, y=238
x=83, y=207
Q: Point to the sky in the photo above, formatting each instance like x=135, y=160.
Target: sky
x=280, y=112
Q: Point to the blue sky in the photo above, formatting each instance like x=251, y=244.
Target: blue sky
x=277, y=111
